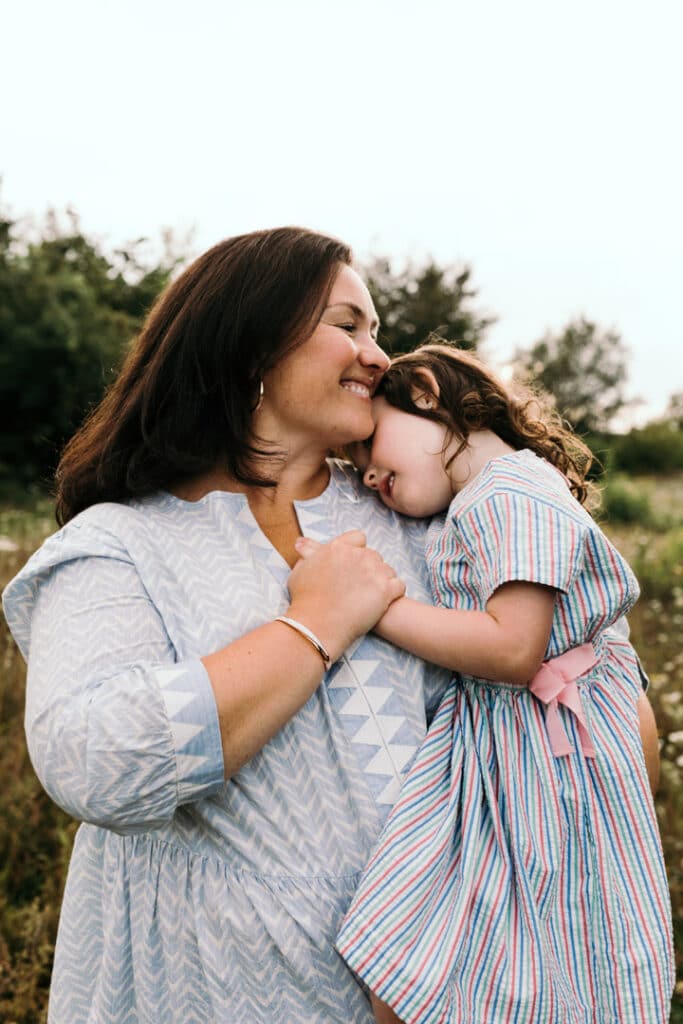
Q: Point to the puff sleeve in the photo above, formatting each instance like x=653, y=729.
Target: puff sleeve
x=508, y=534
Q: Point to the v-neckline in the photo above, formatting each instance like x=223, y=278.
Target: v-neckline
x=339, y=483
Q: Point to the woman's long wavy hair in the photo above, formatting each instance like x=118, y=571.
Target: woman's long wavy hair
x=182, y=403
x=471, y=397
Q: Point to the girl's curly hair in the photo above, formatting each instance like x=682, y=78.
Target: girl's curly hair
x=471, y=397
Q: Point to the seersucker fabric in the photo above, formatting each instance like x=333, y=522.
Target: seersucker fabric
x=510, y=884
x=189, y=899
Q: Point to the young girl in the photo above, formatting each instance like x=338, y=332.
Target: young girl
x=520, y=877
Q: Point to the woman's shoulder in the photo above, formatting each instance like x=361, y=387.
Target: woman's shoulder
x=107, y=530
x=101, y=530
x=351, y=498
x=401, y=540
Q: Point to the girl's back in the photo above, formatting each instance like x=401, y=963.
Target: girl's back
x=519, y=521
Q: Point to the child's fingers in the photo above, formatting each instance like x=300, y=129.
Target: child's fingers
x=307, y=547
x=355, y=537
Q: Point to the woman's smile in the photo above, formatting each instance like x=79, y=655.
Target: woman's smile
x=357, y=387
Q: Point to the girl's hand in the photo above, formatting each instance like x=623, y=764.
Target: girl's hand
x=341, y=589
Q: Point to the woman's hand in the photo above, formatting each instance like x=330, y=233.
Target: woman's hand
x=341, y=589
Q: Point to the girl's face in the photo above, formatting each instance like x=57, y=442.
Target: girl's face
x=404, y=461
x=319, y=396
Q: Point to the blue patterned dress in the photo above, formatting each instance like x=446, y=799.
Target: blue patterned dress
x=512, y=885
x=192, y=900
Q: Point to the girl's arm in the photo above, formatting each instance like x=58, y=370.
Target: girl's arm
x=507, y=642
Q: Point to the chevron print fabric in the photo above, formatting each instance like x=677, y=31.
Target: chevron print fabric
x=373, y=717
x=189, y=898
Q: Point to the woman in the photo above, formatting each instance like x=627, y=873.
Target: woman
x=231, y=788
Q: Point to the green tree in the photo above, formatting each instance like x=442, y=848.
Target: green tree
x=414, y=302
x=656, y=447
x=67, y=312
x=584, y=370
x=674, y=410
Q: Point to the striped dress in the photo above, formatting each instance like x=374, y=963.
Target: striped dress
x=511, y=885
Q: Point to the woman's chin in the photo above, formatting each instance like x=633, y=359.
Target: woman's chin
x=358, y=435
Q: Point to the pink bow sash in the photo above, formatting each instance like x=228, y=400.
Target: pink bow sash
x=554, y=684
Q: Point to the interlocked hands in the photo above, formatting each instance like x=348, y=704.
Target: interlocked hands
x=341, y=589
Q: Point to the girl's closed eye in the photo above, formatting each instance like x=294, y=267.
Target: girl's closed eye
x=359, y=453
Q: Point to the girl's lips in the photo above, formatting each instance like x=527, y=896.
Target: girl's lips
x=387, y=484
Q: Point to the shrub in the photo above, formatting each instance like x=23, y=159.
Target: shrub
x=625, y=504
x=656, y=448
x=659, y=567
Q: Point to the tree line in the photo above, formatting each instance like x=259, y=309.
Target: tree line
x=69, y=308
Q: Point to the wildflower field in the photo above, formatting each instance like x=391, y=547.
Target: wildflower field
x=644, y=518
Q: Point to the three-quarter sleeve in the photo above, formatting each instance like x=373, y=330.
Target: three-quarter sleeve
x=511, y=535
x=119, y=733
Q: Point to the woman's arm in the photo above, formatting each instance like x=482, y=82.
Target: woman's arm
x=261, y=680
x=121, y=734
x=507, y=642
x=649, y=737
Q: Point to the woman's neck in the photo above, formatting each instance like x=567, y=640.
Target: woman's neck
x=294, y=481
x=272, y=507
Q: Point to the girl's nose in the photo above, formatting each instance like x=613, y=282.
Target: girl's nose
x=371, y=478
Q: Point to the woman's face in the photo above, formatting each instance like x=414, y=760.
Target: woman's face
x=319, y=395
x=404, y=461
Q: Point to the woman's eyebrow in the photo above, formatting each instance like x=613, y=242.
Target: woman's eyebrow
x=357, y=311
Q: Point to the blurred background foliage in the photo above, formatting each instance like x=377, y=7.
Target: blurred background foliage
x=69, y=307
x=67, y=313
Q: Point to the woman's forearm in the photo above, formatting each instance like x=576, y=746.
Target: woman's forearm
x=260, y=681
x=122, y=731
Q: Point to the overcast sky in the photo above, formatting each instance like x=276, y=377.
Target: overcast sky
x=540, y=142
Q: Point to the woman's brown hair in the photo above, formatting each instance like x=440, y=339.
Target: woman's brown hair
x=183, y=400
x=471, y=397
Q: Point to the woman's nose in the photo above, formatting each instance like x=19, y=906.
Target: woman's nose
x=372, y=355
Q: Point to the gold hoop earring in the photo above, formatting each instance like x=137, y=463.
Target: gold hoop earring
x=259, y=401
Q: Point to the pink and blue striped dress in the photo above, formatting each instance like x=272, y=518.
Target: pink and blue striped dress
x=515, y=882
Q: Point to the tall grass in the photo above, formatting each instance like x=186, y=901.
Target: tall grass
x=36, y=837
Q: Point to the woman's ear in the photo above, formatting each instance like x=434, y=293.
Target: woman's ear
x=425, y=391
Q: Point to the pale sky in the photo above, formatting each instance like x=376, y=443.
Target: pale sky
x=540, y=142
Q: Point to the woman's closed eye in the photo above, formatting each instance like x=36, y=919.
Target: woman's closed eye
x=352, y=327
